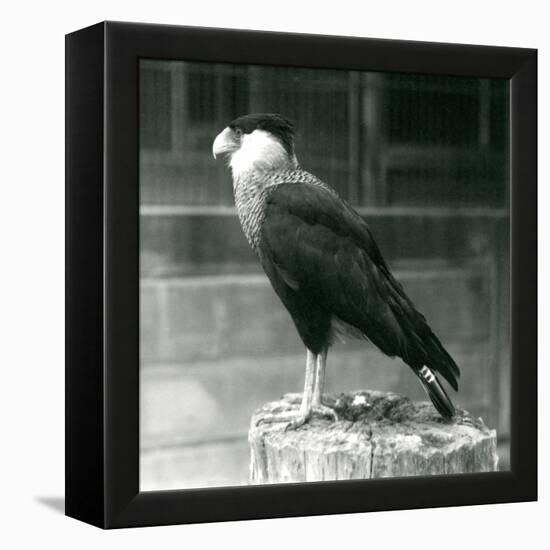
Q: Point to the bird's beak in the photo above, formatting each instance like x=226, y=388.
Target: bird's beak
x=224, y=143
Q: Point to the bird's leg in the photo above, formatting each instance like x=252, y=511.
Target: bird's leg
x=317, y=401
x=305, y=407
x=320, y=365
x=295, y=420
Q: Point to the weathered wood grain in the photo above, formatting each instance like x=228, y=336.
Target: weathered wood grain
x=377, y=435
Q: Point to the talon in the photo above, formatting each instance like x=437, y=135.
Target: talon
x=293, y=419
x=324, y=410
x=297, y=423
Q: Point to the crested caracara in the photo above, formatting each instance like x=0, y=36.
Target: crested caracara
x=323, y=262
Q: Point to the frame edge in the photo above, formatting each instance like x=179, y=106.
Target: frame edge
x=84, y=322
x=126, y=506
x=523, y=143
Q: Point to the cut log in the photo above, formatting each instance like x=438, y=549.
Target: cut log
x=377, y=435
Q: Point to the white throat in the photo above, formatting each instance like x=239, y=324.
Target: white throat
x=260, y=152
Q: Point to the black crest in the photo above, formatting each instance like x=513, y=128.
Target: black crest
x=278, y=125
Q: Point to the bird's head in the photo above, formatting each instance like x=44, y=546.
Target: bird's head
x=257, y=142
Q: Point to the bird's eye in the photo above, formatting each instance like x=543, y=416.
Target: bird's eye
x=238, y=132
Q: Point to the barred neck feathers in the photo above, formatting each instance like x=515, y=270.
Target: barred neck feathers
x=251, y=190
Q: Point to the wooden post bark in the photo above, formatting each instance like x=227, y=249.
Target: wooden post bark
x=377, y=435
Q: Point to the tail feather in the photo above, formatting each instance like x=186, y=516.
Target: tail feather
x=436, y=393
x=443, y=363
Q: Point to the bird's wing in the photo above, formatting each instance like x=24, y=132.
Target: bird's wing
x=318, y=245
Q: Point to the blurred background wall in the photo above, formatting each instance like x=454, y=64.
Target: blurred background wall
x=424, y=159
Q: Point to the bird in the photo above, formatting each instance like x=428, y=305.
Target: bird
x=324, y=264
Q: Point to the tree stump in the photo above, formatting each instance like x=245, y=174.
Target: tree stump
x=377, y=435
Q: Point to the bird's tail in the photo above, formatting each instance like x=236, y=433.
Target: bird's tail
x=436, y=393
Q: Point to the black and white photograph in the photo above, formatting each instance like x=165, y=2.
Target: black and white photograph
x=275, y=275
x=324, y=265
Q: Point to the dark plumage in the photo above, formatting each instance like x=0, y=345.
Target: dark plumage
x=322, y=259
x=277, y=125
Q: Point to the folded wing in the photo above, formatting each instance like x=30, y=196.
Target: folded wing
x=321, y=251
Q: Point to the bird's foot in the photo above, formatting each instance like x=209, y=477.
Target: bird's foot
x=293, y=419
x=317, y=409
x=297, y=419
x=324, y=410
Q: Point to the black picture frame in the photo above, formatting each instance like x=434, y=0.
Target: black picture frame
x=102, y=276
